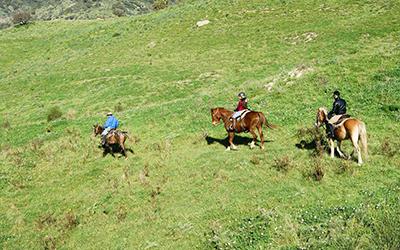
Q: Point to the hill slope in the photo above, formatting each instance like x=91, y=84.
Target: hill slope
x=82, y=9
x=161, y=74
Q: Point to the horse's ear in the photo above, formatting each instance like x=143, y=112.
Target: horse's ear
x=212, y=110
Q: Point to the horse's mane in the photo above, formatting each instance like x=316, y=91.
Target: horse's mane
x=324, y=109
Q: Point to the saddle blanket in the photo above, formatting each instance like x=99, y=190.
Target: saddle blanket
x=243, y=115
x=341, y=120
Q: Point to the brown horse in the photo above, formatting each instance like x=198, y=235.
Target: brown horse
x=252, y=121
x=114, y=137
x=351, y=128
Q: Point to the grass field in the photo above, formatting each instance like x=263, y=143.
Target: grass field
x=161, y=74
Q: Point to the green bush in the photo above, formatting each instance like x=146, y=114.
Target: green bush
x=53, y=114
x=160, y=4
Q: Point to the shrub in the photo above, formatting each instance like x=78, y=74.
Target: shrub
x=6, y=124
x=345, y=167
x=388, y=148
x=255, y=160
x=318, y=172
x=160, y=4
x=71, y=220
x=283, y=164
x=21, y=17
x=118, y=107
x=118, y=9
x=53, y=114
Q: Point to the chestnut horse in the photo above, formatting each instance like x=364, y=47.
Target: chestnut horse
x=114, y=137
x=351, y=128
x=252, y=121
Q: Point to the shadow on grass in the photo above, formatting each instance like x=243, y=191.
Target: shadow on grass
x=115, y=149
x=312, y=145
x=237, y=140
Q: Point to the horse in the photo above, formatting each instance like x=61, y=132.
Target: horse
x=114, y=137
x=351, y=128
x=252, y=120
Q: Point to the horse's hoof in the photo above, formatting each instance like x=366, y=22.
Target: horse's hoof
x=262, y=148
x=228, y=149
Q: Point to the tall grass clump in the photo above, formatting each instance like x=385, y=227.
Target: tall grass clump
x=54, y=113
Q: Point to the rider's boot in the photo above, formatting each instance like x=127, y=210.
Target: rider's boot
x=103, y=140
x=330, y=133
x=231, y=125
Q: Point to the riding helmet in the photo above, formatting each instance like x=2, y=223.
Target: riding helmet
x=336, y=92
x=109, y=113
x=242, y=95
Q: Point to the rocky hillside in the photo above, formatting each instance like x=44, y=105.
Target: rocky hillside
x=80, y=9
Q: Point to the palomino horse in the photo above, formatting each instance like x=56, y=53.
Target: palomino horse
x=114, y=137
x=351, y=128
x=252, y=121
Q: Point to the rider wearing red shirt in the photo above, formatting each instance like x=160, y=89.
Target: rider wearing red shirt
x=241, y=107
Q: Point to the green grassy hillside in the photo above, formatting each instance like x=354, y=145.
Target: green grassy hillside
x=161, y=74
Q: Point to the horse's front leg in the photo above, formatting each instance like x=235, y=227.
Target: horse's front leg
x=332, y=145
x=338, y=148
x=231, y=135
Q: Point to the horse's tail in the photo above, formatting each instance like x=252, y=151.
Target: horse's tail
x=363, y=138
x=265, y=122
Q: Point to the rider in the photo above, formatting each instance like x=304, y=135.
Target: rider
x=111, y=123
x=338, y=109
x=241, y=107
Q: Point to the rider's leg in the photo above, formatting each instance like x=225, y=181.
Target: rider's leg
x=104, y=135
x=330, y=131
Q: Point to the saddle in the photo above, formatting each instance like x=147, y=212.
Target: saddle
x=243, y=115
x=341, y=120
x=111, y=132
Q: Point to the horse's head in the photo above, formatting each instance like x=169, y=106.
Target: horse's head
x=215, y=116
x=322, y=116
x=97, y=129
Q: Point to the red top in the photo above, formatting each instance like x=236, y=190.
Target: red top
x=242, y=105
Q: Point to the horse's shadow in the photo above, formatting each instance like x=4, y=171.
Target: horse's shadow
x=114, y=149
x=312, y=145
x=238, y=140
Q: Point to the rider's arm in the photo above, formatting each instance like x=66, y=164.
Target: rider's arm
x=107, y=123
x=237, y=107
x=245, y=104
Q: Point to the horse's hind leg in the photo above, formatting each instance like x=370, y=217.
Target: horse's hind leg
x=354, y=140
x=121, y=144
x=253, y=142
x=260, y=132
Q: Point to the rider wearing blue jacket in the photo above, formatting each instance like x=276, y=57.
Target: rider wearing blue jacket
x=111, y=123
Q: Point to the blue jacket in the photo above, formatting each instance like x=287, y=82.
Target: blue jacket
x=111, y=122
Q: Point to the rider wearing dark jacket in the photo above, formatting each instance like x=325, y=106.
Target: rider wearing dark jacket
x=338, y=109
